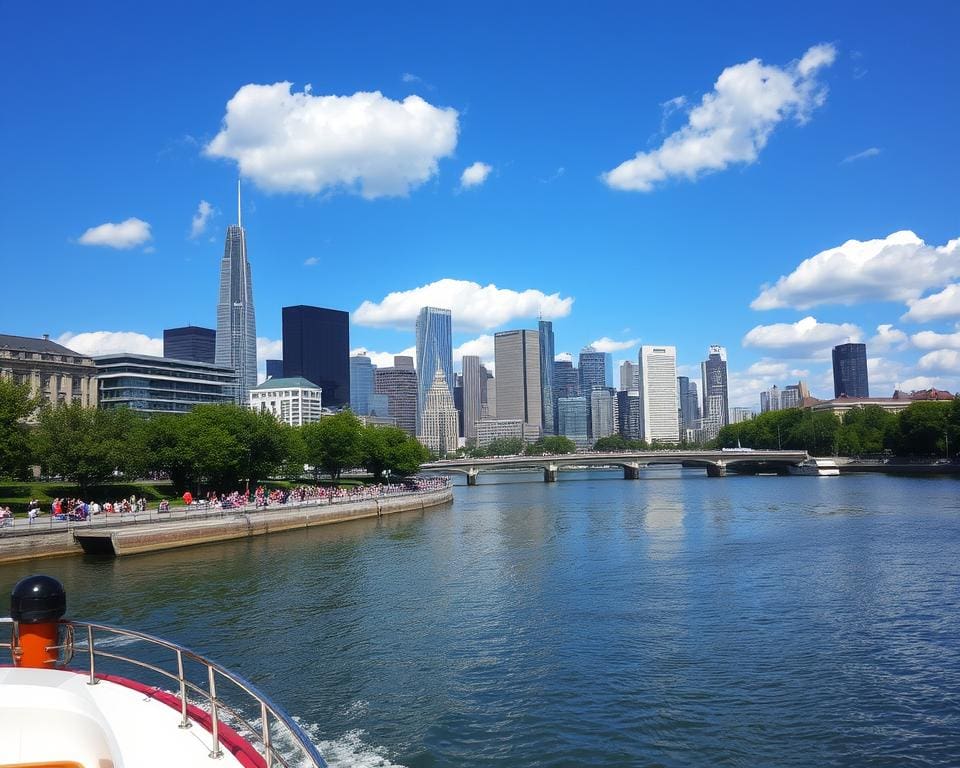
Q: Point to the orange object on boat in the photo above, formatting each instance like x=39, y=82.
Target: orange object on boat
x=37, y=646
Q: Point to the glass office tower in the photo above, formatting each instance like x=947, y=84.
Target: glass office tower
x=316, y=346
x=434, y=350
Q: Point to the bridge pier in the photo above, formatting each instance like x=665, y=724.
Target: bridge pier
x=631, y=471
x=472, y=476
x=716, y=470
x=550, y=473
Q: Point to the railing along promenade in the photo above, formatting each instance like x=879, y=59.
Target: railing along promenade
x=198, y=510
x=715, y=462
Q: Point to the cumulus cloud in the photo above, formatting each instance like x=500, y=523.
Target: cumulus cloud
x=940, y=305
x=733, y=122
x=897, y=268
x=870, y=152
x=934, y=340
x=920, y=382
x=199, y=224
x=940, y=361
x=311, y=261
x=884, y=375
x=474, y=306
x=482, y=347
x=111, y=342
x=365, y=143
x=383, y=359
x=269, y=349
x=887, y=338
x=606, y=344
x=474, y=175
x=563, y=357
x=802, y=338
x=126, y=234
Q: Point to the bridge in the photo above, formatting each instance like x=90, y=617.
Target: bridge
x=715, y=462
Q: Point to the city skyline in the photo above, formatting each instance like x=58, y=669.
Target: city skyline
x=793, y=241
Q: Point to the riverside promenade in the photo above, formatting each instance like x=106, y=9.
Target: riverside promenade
x=155, y=531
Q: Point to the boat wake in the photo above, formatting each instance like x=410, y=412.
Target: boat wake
x=349, y=750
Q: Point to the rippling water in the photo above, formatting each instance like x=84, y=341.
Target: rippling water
x=672, y=621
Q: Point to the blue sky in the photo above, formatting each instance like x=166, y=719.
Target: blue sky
x=636, y=172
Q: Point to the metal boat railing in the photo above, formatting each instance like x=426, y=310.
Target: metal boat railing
x=298, y=749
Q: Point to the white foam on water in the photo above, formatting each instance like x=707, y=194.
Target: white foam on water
x=349, y=750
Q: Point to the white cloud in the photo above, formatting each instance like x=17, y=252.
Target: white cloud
x=776, y=369
x=364, y=143
x=199, y=224
x=883, y=375
x=933, y=340
x=312, y=261
x=802, y=338
x=126, y=234
x=940, y=361
x=269, y=349
x=940, y=305
x=563, y=357
x=732, y=123
x=606, y=344
x=897, y=268
x=920, y=382
x=383, y=359
x=870, y=152
x=473, y=306
x=409, y=77
x=474, y=175
x=887, y=338
x=482, y=347
x=111, y=342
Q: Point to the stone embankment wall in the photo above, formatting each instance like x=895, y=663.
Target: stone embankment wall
x=152, y=537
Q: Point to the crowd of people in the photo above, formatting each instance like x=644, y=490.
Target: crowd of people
x=78, y=510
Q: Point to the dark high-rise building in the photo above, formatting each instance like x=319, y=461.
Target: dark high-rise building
x=596, y=370
x=548, y=398
x=850, y=371
x=316, y=346
x=236, y=345
x=628, y=414
x=566, y=380
x=689, y=411
x=274, y=369
x=399, y=384
x=713, y=378
x=198, y=345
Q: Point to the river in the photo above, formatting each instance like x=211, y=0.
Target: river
x=675, y=620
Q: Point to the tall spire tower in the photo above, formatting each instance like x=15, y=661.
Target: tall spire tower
x=236, y=321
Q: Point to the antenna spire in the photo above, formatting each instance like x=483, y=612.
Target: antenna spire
x=239, y=215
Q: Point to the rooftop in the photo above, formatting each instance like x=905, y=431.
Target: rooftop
x=30, y=344
x=296, y=382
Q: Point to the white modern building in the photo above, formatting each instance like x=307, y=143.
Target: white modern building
x=602, y=413
x=294, y=401
x=657, y=377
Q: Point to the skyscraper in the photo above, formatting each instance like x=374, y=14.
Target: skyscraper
x=572, y=419
x=628, y=376
x=274, y=369
x=689, y=403
x=361, y=384
x=850, y=371
x=399, y=385
x=438, y=419
x=316, y=346
x=658, y=394
x=236, y=341
x=713, y=378
x=596, y=369
x=517, y=360
x=602, y=413
x=628, y=414
x=473, y=395
x=191, y=342
x=548, y=398
x=434, y=349
x=566, y=379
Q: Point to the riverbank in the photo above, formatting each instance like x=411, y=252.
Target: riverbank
x=119, y=540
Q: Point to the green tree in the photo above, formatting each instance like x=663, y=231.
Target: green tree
x=924, y=428
x=84, y=445
x=334, y=443
x=502, y=446
x=551, y=444
x=16, y=406
x=389, y=450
